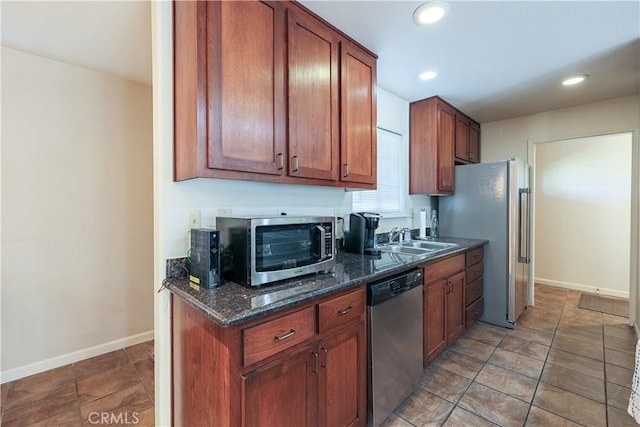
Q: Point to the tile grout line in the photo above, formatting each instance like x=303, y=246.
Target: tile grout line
x=544, y=365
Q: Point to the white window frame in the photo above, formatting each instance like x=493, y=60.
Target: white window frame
x=368, y=200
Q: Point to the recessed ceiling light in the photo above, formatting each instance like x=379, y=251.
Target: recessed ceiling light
x=430, y=12
x=428, y=75
x=574, y=80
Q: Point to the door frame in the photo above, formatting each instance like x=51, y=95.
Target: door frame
x=634, y=272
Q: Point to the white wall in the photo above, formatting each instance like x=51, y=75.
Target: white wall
x=583, y=213
x=516, y=138
x=76, y=213
x=504, y=139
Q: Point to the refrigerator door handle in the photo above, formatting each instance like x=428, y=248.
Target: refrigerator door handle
x=524, y=218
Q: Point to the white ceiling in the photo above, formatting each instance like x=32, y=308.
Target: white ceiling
x=109, y=36
x=496, y=59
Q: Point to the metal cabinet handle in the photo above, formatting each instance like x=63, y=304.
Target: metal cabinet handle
x=280, y=161
x=326, y=357
x=470, y=155
x=285, y=336
x=345, y=311
x=315, y=364
x=296, y=164
x=346, y=169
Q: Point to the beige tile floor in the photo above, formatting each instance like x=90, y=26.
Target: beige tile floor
x=114, y=388
x=562, y=366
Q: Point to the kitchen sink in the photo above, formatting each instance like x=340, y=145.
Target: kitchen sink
x=404, y=249
x=417, y=247
x=438, y=246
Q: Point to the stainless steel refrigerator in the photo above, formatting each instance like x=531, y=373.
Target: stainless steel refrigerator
x=491, y=201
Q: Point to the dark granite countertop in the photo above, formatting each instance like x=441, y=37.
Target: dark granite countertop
x=232, y=303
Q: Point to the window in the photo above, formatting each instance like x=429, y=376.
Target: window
x=389, y=198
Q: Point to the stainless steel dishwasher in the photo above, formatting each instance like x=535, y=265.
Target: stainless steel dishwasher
x=394, y=309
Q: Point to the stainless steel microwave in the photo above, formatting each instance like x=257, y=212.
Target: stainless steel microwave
x=255, y=251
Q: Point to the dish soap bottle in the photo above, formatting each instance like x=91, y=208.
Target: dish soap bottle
x=434, y=224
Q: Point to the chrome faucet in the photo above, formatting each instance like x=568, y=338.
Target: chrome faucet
x=403, y=235
x=393, y=234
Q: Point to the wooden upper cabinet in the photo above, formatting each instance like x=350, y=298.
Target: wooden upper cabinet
x=313, y=50
x=431, y=147
x=462, y=138
x=440, y=136
x=246, y=103
x=358, y=115
x=445, y=149
x=467, y=140
x=474, y=142
x=268, y=91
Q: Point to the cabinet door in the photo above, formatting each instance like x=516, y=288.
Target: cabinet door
x=282, y=395
x=358, y=115
x=455, y=306
x=342, y=388
x=446, y=143
x=245, y=75
x=462, y=138
x=474, y=142
x=313, y=97
x=435, y=311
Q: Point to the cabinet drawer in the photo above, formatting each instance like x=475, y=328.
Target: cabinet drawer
x=474, y=256
x=473, y=312
x=443, y=269
x=267, y=339
x=473, y=292
x=340, y=310
x=475, y=272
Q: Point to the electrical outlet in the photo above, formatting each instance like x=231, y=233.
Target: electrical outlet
x=195, y=218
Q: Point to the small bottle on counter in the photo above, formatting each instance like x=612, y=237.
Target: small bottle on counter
x=434, y=224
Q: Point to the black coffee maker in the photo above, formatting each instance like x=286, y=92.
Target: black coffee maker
x=361, y=238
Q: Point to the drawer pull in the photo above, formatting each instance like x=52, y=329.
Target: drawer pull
x=345, y=311
x=285, y=336
x=476, y=312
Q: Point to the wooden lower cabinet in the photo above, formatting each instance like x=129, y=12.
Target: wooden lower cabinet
x=474, y=302
x=319, y=381
x=342, y=379
x=444, y=305
x=435, y=309
x=281, y=395
x=455, y=307
x=324, y=382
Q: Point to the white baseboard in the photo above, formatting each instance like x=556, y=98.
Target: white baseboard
x=584, y=288
x=65, y=359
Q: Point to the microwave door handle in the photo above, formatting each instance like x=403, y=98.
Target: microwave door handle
x=324, y=253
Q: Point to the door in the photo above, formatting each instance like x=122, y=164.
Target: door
x=342, y=379
x=455, y=306
x=358, y=156
x=474, y=142
x=245, y=75
x=435, y=309
x=282, y=395
x=313, y=98
x=446, y=147
x=462, y=138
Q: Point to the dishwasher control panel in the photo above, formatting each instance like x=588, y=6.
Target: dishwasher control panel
x=385, y=289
